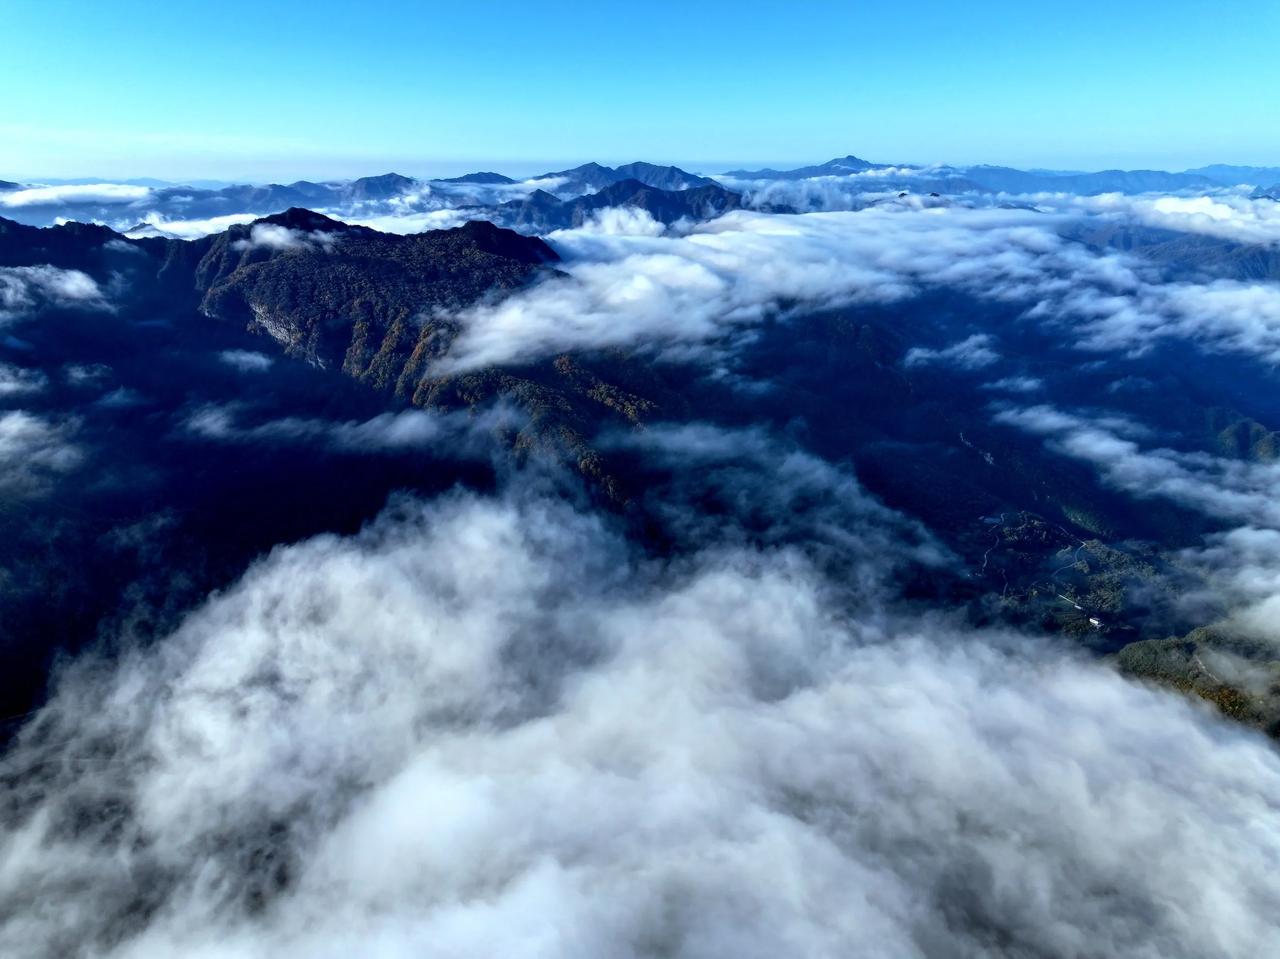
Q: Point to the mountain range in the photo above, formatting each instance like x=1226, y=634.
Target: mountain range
x=378, y=311
x=541, y=212
x=561, y=198
x=591, y=177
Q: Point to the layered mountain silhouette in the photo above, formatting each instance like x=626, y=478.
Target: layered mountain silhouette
x=564, y=198
x=570, y=197
x=542, y=212
x=1008, y=180
x=840, y=166
x=593, y=176
x=1229, y=175
x=483, y=177
x=996, y=179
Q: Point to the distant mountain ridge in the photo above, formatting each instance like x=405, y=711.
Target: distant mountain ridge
x=565, y=198
x=486, y=177
x=840, y=166
x=384, y=194
x=988, y=179
x=591, y=177
x=1229, y=175
x=542, y=212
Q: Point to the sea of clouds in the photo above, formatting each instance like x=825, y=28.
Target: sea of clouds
x=486, y=724
x=491, y=725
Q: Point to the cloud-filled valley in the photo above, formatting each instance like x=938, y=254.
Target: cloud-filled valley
x=820, y=571
x=481, y=725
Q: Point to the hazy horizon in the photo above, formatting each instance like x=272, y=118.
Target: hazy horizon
x=135, y=90
x=520, y=169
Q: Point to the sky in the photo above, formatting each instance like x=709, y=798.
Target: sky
x=288, y=89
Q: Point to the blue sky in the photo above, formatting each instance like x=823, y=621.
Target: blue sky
x=280, y=90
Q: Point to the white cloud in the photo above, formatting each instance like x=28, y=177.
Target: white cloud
x=23, y=289
x=1220, y=487
x=1228, y=214
x=1224, y=214
x=1015, y=384
x=853, y=191
x=619, y=221
x=747, y=487
x=1240, y=572
x=121, y=246
x=972, y=353
x=407, y=429
x=406, y=223
x=87, y=375
x=107, y=193
x=1222, y=315
x=15, y=380
x=273, y=236
x=1237, y=571
x=483, y=728
x=246, y=361
x=158, y=225
x=32, y=449
x=121, y=398
x=700, y=292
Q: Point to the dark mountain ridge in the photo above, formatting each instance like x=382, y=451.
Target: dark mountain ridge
x=484, y=177
x=840, y=166
x=328, y=292
x=541, y=212
x=593, y=176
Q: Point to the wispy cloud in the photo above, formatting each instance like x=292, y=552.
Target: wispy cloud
x=15, y=381
x=33, y=450
x=273, y=236
x=246, y=361
x=972, y=353
x=23, y=289
x=408, y=429
x=1219, y=486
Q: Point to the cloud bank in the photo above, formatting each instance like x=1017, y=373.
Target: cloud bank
x=25, y=288
x=1231, y=489
x=485, y=727
x=699, y=292
x=109, y=193
x=246, y=361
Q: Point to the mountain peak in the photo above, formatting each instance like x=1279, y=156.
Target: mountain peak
x=483, y=177
x=850, y=162
x=380, y=187
x=298, y=218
